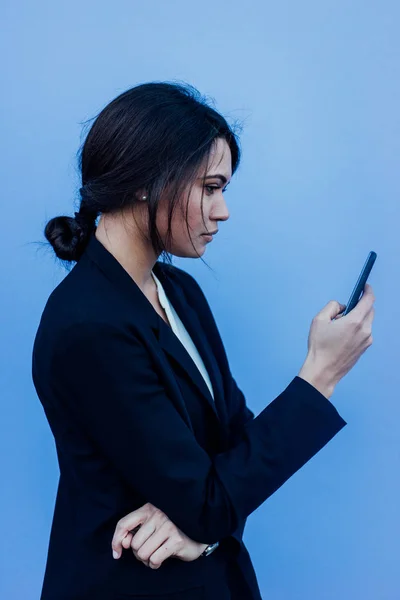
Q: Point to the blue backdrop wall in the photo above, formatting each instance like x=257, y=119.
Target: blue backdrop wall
x=317, y=87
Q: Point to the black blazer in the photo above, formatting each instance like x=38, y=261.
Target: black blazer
x=134, y=422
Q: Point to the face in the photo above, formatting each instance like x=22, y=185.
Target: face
x=214, y=207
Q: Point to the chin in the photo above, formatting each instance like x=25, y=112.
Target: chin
x=189, y=252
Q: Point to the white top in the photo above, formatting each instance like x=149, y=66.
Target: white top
x=181, y=332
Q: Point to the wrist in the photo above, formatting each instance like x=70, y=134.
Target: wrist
x=317, y=377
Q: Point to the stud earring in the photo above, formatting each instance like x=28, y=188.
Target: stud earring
x=144, y=198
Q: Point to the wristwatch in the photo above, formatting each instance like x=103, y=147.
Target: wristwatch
x=210, y=549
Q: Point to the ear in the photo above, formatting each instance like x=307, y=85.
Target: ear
x=141, y=195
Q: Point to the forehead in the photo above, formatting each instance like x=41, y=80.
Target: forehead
x=220, y=160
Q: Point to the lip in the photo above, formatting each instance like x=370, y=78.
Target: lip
x=211, y=233
x=207, y=237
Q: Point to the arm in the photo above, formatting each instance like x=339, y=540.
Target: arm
x=106, y=377
x=240, y=412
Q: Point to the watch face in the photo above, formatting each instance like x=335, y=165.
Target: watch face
x=210, y=548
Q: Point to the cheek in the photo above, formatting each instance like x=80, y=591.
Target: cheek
x=195, y=214
x=193, y=220
x=179, y=225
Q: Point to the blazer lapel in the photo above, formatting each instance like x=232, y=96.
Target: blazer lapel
x=168, y=341
x=173, y=346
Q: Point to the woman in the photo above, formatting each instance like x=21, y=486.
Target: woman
x=160, y=458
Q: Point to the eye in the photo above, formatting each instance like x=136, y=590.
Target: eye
x=214, y=187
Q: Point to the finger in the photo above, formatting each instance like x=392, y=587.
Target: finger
x=370, y=316
x=331, y=309
x=166, y=550
x=342, y=309
x=152, y=544
x=367, y=314
x=126, y=542
x=142, y=535
x=364, y=304
x=123, y=527
x=154, y=522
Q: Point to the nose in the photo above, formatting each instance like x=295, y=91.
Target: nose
x=220, y=210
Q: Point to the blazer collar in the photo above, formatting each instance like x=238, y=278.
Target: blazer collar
x=168, y=341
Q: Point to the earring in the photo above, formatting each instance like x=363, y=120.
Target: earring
x=144, y=197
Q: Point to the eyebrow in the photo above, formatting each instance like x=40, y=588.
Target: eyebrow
x=217, y=176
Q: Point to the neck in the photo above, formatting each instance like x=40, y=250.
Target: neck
x=127, y=244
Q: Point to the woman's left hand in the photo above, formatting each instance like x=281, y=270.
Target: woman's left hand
x=153, y=538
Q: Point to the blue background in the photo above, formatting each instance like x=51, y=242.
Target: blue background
x=317, y=86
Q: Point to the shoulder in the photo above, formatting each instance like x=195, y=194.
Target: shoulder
x=86, y=291
x=184, y=279
x=176, y=273
x=84, y=305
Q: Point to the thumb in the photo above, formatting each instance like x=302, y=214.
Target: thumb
x=332, y=309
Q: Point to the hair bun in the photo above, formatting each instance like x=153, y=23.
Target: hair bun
x=68, y=236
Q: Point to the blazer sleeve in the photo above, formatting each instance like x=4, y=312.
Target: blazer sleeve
x=241, y=414
x=106, y=377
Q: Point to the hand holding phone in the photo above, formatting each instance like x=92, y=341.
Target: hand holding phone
x=334, y=348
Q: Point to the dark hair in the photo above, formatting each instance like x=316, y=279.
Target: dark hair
x=149, y=137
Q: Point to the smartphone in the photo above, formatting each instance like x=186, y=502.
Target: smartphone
x=361, y=281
